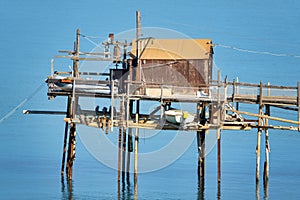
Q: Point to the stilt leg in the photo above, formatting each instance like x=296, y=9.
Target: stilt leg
x=267, y=147
x=123, y=154
x=129, y=150
x=219, y=154
x=66, y=137
x=71, y=151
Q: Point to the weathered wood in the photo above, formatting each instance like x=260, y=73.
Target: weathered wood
x=136, y=143
x=259, y=132
x=44, y=112
x=138, y=35
x=129, y=150
x=298, y=104
x=267, y=117
x=71, y=151
x=69, y=108
x=267, y=147
x=119, y=153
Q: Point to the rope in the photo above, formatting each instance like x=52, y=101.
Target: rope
x=91, y=41
x=22, y=103
x=258, y=52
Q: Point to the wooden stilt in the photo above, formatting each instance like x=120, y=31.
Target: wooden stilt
x=219, y=154
x=129, y=150
x=66, y=136
x=123, y=153
x=71, y=150
x=201, y=152
x=136, y=144
x=267, y=146
x=119, y=153
x=298, y=103
x=219, y=118
x=259, y=133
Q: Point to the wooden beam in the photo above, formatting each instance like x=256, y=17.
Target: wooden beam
x=267, y=117
x=44, y=112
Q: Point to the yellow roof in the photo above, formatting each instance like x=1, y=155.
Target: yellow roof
x=173, y=49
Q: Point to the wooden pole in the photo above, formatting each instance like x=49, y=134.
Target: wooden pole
x=138, y=35
x=136, y=143
x=267, y=147
x=219, y=126
x=259, y=133
x=120, y=139
x=71, y=151
x=76, y=54
x=123, y=153
x=201, y=142
x=69, y=105
x=72, y=135
x=119, y=154
x=129, y=150
x=298, y=103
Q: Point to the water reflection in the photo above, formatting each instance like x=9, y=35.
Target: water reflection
x=266, y=190
x=126, y=190
x=201, y=188
x=67, y=190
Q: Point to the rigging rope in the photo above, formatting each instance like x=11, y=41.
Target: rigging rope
x=22, y=103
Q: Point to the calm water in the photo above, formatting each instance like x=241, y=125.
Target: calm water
x=31, y=146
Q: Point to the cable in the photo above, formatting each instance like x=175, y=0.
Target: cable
x=22, y=103
x=258, y=52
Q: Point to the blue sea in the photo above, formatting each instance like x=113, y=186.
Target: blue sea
x=254, y=40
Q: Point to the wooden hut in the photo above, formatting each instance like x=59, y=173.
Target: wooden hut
x=174, y=62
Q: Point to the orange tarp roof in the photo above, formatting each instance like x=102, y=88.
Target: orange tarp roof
x=173, y=49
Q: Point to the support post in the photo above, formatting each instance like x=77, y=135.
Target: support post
x=123, y=153
x=71, y=150
x=260, y=112
x=201, y=141
x=76, y=54
x=267, y=146
x=219, y=154
x=69, y=108
x=219, y=111
x=119, y=154
x=298, y=103
x=138, y=35
x=136, y=142
x=129, y=150
x=201, y=153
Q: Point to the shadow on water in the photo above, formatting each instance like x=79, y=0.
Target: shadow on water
x=67, y=189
